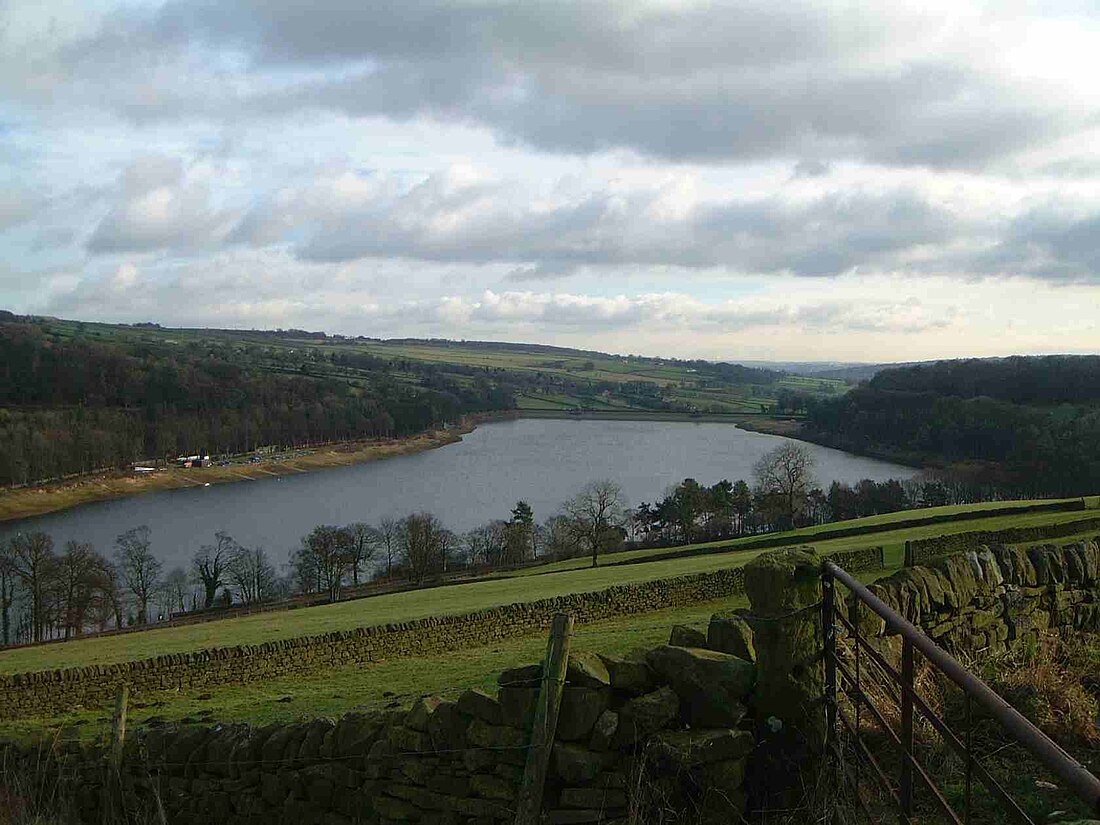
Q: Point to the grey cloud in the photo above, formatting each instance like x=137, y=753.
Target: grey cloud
x=1046, y=242
x=811, y=169
x=674, y=311
x=480, y=222
x=549, y=271
x=703, y=82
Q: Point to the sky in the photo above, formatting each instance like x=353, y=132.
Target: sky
x=851, y=181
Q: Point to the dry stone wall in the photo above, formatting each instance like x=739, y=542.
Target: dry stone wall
x=991, y=598
x=666, y=729
x=51, y=692
x=921, y=551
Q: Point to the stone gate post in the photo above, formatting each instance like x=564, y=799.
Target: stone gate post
x=784, y=590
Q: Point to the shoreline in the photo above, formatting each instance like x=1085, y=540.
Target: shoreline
x=28, y=502
x=753, y=422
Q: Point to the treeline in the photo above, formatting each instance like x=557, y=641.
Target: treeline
x=76, y=405
x=695, y=513
x=1029, y=425
x=1043, y=380
x=48, y=593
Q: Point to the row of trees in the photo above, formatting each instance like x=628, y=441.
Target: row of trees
x=785, y=494
x=64, y=593
x=48, y=594
x=420, y=547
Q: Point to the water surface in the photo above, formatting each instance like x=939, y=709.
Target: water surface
x=544, y=461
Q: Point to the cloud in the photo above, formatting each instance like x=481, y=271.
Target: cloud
x=158, y=205
x=680, y=311
x=811, y=169
x=586, y=171
x=902, y=84
x=1049, y=242
x=463, y=215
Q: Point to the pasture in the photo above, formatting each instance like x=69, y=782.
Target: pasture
x=544, y=581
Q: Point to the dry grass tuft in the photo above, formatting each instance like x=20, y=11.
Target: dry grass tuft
x=1053, y=682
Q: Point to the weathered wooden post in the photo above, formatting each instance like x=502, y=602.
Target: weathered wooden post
x=529, y=802
x=118, y=726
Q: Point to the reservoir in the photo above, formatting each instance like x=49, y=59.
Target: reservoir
x=543, y=461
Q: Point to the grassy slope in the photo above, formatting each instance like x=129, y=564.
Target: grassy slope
x=557, y=579
x=394, y=607
x=886, y=537
x=337, y=691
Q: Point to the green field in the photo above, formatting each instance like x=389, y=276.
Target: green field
x=556, y=579
x=892, y=539
x=336, y=691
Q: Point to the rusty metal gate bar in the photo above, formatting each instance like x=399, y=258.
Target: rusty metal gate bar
x=1076, y=776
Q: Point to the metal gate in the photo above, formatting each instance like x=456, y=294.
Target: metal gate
x=897, y=770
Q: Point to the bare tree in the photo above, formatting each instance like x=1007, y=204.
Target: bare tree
x=8, y=578
x=138, y=568
x=252, y=574
x=363, y=545
x=81, y=578
x=485, y=544
x=33, y=561
x=424, y=546
x=177, y=587
x=327, y=551
x=596, y=516
x=210, y=564
x=389, y=539
x=784, y=476
x=554, y=537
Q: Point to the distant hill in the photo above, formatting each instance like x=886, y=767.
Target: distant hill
x=78, y=396
x=851, y=373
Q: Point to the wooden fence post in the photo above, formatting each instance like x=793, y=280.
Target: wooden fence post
x=529, y=801
x=118, y=725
